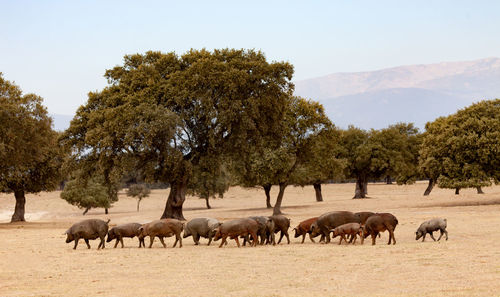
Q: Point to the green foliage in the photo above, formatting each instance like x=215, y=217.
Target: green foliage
x=462, y=150
x=30, y=157
x=86, y=193
x=282, y=159
x=392, y=151
x=138, y=191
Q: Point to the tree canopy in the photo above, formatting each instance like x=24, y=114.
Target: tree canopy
x=30, y=158
x=392, y=151
x=462, y=150
x=86, y=193
x=283, y=159
x=167, y=114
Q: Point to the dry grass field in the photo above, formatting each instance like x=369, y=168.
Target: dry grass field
x=35, y=260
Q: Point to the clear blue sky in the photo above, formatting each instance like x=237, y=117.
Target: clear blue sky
x=60, y=49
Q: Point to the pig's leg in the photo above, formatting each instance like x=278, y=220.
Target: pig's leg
x=223, y=241
x=87, y=242
x=116, y=243
x=255, y=239
x=374, y=235
x=151, y=239
x=163, y=242
x=179, y=239
x=355, y=237
x=432, y=236
x=391, y=235
x=209, y=239
x=287, y=237
x=76, y=243
x=423, y=237
x=310, y=237
x=281, y=237
x=121, y=241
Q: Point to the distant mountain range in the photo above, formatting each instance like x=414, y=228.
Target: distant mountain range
x=416, y=93
x=376, y=99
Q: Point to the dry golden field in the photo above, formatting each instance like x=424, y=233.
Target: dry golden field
x=35, y=260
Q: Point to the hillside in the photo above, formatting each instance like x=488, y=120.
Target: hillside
x=415, y=93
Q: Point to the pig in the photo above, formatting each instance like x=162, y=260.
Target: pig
x=349, y=229
x=430, y=226
x=361, y=218
x=281, y=224
x=201, y=227
x=87, y=229
x=265, y=232
x=162, y=228
x=235, y=228
x=125, y=230
x=331, y=220
x=380, y=222
x=304, y=228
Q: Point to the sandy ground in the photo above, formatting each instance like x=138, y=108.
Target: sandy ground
x=35, y=260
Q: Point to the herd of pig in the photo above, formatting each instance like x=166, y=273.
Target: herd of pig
x=254, y=230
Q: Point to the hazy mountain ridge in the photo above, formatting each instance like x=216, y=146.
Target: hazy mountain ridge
x=377, y=98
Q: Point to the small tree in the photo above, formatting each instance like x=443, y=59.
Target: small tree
x=86, y=194
x=138, y=191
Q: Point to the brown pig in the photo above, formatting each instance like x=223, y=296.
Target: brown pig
x=304, y=228
x=235, y=228
x=87, y=229
x=281, y=224
x=125, y=230
x=380, y=222
x=162, y=228
x=349, y=229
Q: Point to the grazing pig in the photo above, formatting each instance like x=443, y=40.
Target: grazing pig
x=87, y=229
x=201, y=227
x=281, y=224
x=125, y=230
x=431, y=226
x=266, y=230
x=304, y=228
x=380, y=222
x=162, y=228
x=331, y=220
x=349, y=229
x=235, y=228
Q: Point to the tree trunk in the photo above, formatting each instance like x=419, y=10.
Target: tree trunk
x=277, y=205
x=430, y=186
x=138, y=201
x=106, y=211
x=457, y=191
x=85, y=211
x=388, y=180
x=267, y=189
x=18, y=215
x=365, y=186
x=317, y=190
x=361, y=186
x=207, y=202
x=176, y=198
x=479, y=190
